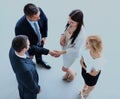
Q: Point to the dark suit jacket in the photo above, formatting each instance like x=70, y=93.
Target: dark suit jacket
x=24, y=28
x=26, y=74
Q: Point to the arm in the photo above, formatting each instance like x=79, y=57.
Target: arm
x=62, y=40
x=18, y=31
x=82, y=63
x=38, y=50
x=78, y=44
x=20, y=28
x=54, y=53
x=89, y=63
x=61, y=52
x=94, y=72
x=74, y=48
x=44, y=23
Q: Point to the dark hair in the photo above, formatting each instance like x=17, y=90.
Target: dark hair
x=30, y=9
x=19, y=42
x=76, y=15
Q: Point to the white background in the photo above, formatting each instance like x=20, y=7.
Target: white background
x=100, y=17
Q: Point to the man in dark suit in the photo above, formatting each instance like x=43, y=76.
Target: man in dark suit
x=24, y=68
x=34, y=25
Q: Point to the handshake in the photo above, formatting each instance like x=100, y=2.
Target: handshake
x=56, y=53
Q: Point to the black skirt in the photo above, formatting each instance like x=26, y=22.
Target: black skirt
x=89, y=79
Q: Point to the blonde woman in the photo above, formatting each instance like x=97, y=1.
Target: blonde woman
x=91, y=63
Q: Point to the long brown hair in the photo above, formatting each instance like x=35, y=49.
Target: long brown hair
x=76, y=15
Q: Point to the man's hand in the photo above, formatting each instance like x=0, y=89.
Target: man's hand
x=54, y=53
x=43, y=41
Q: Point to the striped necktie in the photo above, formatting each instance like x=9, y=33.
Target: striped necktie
x=37, y=33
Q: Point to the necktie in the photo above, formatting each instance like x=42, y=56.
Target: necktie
x=37, y=33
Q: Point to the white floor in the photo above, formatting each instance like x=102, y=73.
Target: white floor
x=100, y=17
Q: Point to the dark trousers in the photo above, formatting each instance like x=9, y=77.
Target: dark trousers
x=38, y=57
x=25, y=94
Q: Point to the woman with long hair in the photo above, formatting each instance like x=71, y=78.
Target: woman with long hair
x=72, y=41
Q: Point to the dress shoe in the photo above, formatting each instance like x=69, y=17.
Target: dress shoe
x=44, y=65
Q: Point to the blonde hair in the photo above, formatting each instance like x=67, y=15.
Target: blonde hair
x=95, y=43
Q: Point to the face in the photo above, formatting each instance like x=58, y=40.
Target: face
x=87, y=44
x=35, y=17
x=72, y=23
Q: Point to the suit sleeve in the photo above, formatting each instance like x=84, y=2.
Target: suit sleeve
x=38, y=50
x=29, y=82
x=44, y=22
x=20, y=29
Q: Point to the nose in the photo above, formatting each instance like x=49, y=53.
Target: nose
x=38, y=17
x=71, y=23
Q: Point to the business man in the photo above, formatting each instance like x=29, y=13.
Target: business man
x=24, y=68
x=34, y=25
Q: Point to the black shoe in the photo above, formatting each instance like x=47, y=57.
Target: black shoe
x=44, y=65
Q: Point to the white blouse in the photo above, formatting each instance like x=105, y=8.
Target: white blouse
x=73, y=49
x=91, y=63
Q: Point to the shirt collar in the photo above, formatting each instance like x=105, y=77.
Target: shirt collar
x=20, y=55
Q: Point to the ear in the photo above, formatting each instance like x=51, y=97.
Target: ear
x=24, y=49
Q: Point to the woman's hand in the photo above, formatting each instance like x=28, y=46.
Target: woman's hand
x=62, y=40
x=94, y=72
x=60, y=52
